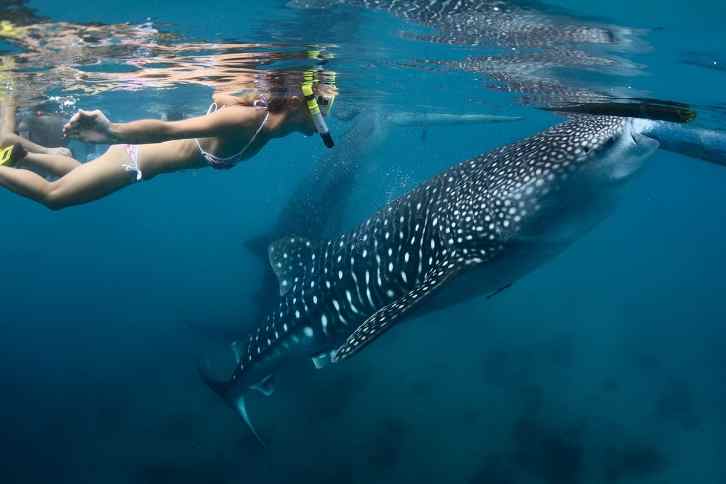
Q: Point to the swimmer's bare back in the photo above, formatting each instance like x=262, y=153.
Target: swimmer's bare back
x=168, y=146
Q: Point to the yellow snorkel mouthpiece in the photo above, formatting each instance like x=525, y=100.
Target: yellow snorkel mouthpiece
x=8, y=30
x=5, y=155
x=314, y=108
x=10, y=155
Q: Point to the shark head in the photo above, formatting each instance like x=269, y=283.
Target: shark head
x=622, y=152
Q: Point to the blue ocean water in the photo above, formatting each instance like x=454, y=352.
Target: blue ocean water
x=605, y=365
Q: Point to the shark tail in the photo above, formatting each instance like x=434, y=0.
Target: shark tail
x=227, y=390
x=704, y=144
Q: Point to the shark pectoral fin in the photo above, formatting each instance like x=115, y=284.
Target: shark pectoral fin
x=266, y=386
x=288, y=258
x=384, y=318
x=323, y=359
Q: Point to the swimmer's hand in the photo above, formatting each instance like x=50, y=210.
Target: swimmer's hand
x=90, y=127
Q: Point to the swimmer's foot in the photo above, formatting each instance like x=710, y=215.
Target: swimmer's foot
x=12, y=154
x=60, y=151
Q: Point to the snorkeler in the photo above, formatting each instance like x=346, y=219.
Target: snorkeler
x=234, y=129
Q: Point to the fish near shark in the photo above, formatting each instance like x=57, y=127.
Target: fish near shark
x=470, y=231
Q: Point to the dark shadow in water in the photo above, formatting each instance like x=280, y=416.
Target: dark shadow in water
x=676, y=404
x=179, y=474
x=423, y=389
x=328, y=473
x=610, y=385
x=648, y=362
x=504, y=367
x=554, y=454
x=179, y=427
x=18, y=12
x=512, y=367
x=110, y=418
x=633, y=462
x=705, y=60
x=385, y=451
x=332, y=405
x=495, y=469
x=561, y=352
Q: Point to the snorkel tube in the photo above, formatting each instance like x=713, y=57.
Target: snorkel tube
x=320, y=126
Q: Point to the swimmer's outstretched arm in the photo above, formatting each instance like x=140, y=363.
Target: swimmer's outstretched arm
x=95, y=127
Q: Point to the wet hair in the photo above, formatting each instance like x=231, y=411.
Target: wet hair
x=279, y=104
x=281, y=93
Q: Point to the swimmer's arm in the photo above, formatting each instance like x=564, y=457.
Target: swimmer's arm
x=94, y=127
x=226, y=100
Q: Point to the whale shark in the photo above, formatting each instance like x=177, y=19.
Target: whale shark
x=537, y=76
x=486, y=22
x=309, y=211
x=317, y=205
x=471, y=231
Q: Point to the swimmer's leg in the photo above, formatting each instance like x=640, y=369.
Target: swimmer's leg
x=8, y=138
x=89, y=181
x=8, y=114
x=9, y=127
x=57, y=165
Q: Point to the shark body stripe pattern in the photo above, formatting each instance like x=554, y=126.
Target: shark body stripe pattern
x=465, y=217
x=471, y=231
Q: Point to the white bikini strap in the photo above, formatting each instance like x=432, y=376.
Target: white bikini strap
x=217, y=159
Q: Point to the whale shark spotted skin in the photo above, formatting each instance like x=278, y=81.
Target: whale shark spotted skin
x=356, y=285
x=500, y=23
x=317, y=205
x=472, y=230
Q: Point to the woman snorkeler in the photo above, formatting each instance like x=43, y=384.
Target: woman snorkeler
x=234, y=129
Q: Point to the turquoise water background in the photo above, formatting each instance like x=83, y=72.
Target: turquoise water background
x=606, y=365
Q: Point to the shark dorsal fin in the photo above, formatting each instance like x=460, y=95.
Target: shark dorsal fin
x=288, y=258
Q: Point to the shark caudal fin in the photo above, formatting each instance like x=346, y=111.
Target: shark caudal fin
x=231, y=393
x=704, y=144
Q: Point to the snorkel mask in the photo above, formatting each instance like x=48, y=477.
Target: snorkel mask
x=316, y=110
